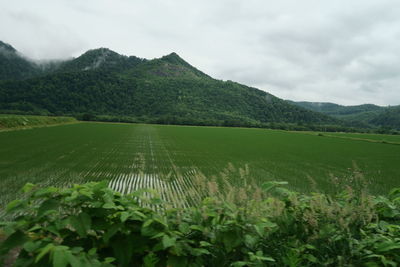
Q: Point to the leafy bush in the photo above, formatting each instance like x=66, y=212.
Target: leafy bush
x=91, y=225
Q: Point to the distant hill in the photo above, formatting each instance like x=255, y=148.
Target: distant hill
x=390, y=118
x=360, y=115
x=338, y=110
x=166, y=90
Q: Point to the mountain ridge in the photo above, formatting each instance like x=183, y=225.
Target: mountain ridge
x=102, y=82
x=13, y=65
x=360, y=115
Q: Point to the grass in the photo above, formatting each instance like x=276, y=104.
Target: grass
x=172, y=158
x=368, y=137
x=11, y=122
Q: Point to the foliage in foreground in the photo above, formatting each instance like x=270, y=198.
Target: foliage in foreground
x=91, y=225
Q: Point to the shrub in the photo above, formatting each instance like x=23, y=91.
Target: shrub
x=91, y=225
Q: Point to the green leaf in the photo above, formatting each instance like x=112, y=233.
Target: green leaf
x=283, y=191
x=150, y=260
x=394, y=193
x=311, y=258
x=175, y=261
x=43, y=252
x=45, y=192
x=109, y=205
x=263, y=226
x=48, y=206
x=250, y=241
x=109, y=260
x=148, y=229
x=92, y=251
x=386, y=246
x=184, y=228
x=259, y=257
x=241, y=264
x=200, y=251
x=205, y=244
x=308, y=246
x=111, y=231
x=81, y=223
x=74, y=195
x=124, y=216
x=14, y=240
x=139, y=215
x=14, y=205
x=268, y=186
x=28, y=188
x=197, y=228
x=31, y=246
x=268, y=259
x=86, y=192
x=122, y=248
x=73, y=260
x=168, y=241
x=230, y=239
x=60, y=258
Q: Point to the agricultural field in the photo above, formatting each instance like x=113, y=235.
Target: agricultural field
x=368, y=137
x=178, y=161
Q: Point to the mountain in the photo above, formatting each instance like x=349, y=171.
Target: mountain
x=104, y=83
x=338, y=110
x=99, y=59
x=390, y=118
x=14, y=66
x=359, y=116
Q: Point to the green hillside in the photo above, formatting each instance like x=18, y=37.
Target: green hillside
x=389, y=118
x=13, y=66
x=102, y=83
x=26, y=121
x=99, y=59
x=360, y=115
x=338, y=110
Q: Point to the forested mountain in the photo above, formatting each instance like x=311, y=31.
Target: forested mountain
x=390, y=118
x=102, y=83
x=338, y=110
x=360, y=115
x=99, y=59
x=14, y=66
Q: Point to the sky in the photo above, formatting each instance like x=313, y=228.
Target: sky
x=341, y=51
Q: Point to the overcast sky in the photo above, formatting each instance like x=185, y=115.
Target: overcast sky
x=339, y=51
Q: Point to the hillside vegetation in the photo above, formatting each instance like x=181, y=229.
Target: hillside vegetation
x=26, y=121
x=14, y=66
x=360, y=116
x=101, y=84
x=389, y=118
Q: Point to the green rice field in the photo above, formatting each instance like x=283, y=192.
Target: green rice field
x=171, y=159
x=370, y=137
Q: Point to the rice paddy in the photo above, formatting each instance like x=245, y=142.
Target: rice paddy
x=369, y=137
x=173, y=159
